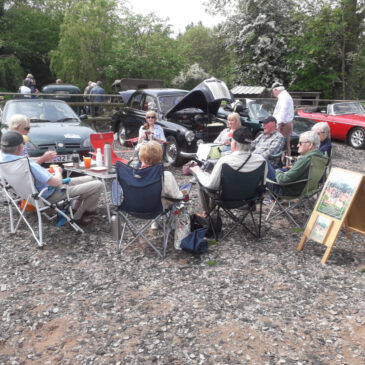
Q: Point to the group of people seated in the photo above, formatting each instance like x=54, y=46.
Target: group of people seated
x=243, y=155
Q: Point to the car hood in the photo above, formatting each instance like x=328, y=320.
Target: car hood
x=43, y=132
x=207, y=96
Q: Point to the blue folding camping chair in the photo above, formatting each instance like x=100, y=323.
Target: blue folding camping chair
x=141, y=199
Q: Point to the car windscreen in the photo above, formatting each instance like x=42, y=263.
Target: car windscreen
x=168, y=101
x=41, y=111
x=257, y=110
x=348, y=108
x=302, y=125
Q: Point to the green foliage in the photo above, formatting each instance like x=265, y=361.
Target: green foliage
x=29, y=34
x=144, y=49
x=86, y=41
x=11, y=73
x=205, y=47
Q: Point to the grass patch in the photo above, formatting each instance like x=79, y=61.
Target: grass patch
x=212, y=242
x=297, y=230
x=211, y=263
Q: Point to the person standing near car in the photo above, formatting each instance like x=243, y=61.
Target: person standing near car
x=284, y=112
x=99, y=97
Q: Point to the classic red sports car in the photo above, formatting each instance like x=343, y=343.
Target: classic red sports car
x=346, y=121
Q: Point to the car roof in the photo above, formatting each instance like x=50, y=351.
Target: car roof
x=61, y=87
x=35, y=100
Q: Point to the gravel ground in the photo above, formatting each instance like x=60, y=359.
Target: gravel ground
x=246, y=301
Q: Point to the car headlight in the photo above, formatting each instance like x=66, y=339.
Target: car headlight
x=189, y=136
x=86, y=142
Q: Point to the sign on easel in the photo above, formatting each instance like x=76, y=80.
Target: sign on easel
x=342, y=201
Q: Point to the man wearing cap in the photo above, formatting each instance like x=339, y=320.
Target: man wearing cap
x=86, y=187
x=240, y=158
x=270, y=143
x=284, y=112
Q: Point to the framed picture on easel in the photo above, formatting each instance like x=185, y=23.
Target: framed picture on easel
x=320, y=229
x=341, y=203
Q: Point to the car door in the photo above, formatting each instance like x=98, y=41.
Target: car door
x=134, y=114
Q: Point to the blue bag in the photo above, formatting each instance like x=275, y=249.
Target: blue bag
x=195, y=242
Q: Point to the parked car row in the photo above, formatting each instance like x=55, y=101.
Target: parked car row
x=188, y=118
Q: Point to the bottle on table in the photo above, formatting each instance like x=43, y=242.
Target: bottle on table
x=99, y=158
x=107, y=156
x=75, y=160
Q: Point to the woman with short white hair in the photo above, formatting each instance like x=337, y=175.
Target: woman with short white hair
x=21, y=124
x=324, y=133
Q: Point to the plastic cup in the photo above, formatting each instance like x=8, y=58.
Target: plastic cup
x=87, y=162
x=51, y=168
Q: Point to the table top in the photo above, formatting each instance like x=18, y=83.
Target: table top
x=90, y=172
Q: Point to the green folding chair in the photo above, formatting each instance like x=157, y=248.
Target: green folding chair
x=311, y=187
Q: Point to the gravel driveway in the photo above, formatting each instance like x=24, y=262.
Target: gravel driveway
x=246, y=301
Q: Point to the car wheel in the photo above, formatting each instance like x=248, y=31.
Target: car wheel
x=357, y=138
x=172, y=152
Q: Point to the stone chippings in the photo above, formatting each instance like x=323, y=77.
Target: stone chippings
x=246, y=301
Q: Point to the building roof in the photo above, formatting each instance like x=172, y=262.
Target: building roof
x=251, y=90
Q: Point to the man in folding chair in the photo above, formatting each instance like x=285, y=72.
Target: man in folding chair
x=271, y=143
x=87, y=188
x=240, y=159
x=290, y=184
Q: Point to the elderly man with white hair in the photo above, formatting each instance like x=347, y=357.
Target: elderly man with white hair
x=324, y=133
x=284, y=112
x=307, y=147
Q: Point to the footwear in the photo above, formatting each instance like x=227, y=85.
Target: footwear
x=268, y=201
x=155, y=225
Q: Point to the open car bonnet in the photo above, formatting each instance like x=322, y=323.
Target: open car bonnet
x=207, y=96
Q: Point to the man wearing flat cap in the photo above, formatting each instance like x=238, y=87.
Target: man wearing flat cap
x=284, y=112
x=270, y=143
x=86, y=187
x=240, y=159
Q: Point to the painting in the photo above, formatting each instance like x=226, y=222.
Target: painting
x=339, y=191
x=320, y=229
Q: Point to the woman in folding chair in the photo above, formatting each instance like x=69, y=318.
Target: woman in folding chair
x=151, y=154
x=86, y=187
x=149, y=131
x=21, y=124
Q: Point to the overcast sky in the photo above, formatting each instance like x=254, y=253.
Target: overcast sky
x=179, y=12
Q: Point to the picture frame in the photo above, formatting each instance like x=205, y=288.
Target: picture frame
x=320, y=229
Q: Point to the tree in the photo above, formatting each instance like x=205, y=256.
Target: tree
x=25, y=44
x=205, y=47
x=86, y=40
x=144, y=49
x=258, y=32
x=190, y=78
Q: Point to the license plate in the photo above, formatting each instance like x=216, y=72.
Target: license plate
x=63, y=158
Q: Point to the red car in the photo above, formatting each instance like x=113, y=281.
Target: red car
x=346, y=121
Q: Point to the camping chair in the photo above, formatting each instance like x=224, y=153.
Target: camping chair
x=18, y=184
x=238, y=191
x=98, y=140
x=311, y=187
x=141, y=199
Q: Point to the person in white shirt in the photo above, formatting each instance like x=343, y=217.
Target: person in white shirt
x=284, y=112
x=241, y=159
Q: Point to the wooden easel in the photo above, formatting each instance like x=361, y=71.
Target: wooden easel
x=342, y=201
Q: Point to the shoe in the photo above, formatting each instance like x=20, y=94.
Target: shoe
x=268, y=201
x=155, y=225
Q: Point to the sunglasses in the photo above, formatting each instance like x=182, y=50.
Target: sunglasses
x=149, y=117
x=27, y=129
x=300, y=143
